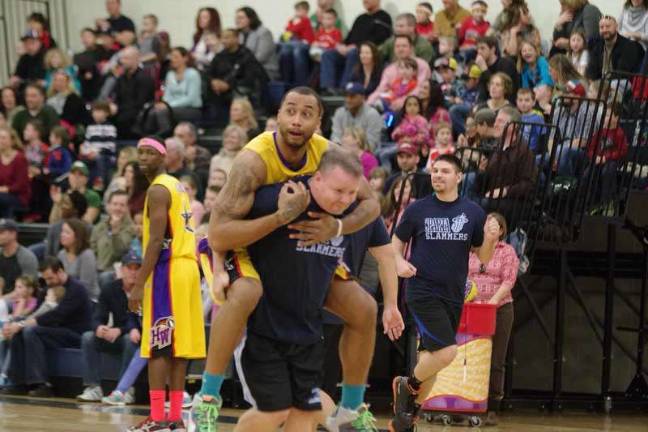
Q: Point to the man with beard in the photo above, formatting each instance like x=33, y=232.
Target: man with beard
x=443, y=229
x=275, y=157
x=613, y=52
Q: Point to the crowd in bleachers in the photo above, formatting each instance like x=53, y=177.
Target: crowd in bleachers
x=415, y=86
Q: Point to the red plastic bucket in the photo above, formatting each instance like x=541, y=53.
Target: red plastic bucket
x=478, y=319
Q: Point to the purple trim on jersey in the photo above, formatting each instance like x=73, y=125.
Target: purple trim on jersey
x=161, y=294
x=284, y=161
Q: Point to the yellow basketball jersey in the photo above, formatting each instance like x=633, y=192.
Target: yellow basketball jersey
x=265, y=145
x=179, y=239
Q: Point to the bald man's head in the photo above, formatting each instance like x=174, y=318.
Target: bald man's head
x=608, y=28
x=129, y=58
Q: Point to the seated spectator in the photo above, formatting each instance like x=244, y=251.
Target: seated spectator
x=116, y=23
x=336, y=66
x=118, y=182
x=412, y=127
x=472, y=28
x=208, y=22
x=449, y=18
x=369, y=68
x=327, y=37
x=578, y=53
x=67, y=104
x=22, y=299
x=217, y=178
x=133, y=89
x=465, y=100
x=407, y=158
x=59, y=159
x=524, y=29
x=446, y=69
x=433, y=105
x=89, y=64
x=490, y=62
x=35, y=150
x=575, y=14
x=356, y=113
x=424, y=21
x=234, y=138
x=401, y=194
x=242, y=115
x=211, y=198
x=606, y=151
x=175, y=158
x=78, y=180
x=98, y=149
x=494, y=282
x=509, y=172
x=197, y=157
x=197, y=209
x=182, y=87
x=15, y=259
x=613, y=52
x=508, y=17
x=355, y=140
x=442, y=144
x=258, y=39
x=112, y=236
x=633, y=22
x=9, y=105
x=377, y=180
x=148, y=41
x=30, y=67
x=114, y=330
x=15, y=188
x=405, y=24
x=295, y=45
x=533, y=67
x=55, y=60
x=35, y=109
x=402, y=50
x=136, y=184
x=60, y=327
x=271, y=124
x=500, y=87
x=77, y=257
x=37, y=22
x=233, y=71
x=532, y=134
x=562, y=73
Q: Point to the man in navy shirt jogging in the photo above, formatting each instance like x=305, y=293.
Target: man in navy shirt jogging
x=280, y=362
x=443, y=229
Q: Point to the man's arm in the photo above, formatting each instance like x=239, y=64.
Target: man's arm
x=404, y=268
x=491, y=236
x=386, y=259
x=159, y=201
x=227, y=228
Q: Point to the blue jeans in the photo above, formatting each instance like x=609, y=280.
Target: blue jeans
x=9, y=203
x=294, y=62
x=467, y=186
x=458, y=115
x=570, y=160
x=91, y=346
x=333, y=64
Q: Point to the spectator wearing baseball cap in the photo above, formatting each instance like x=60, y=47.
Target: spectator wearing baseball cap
x=15, y=259
x=78, y=180
x=464, y=101
x=120, y=338
x=407, y=159
x=356, y=113
x=30, y=66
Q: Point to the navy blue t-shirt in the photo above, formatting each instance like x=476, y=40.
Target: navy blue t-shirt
x=295, y=279
x=442, y=235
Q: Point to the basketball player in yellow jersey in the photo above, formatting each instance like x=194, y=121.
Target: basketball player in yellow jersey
x=168, y=290
x=274, y=157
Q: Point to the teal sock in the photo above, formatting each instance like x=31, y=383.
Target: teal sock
x=211, y=385
x=352, y=396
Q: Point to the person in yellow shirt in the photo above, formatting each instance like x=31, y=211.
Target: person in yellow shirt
x=449, y=18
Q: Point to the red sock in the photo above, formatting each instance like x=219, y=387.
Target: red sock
x=157, y=404
x=175, y=411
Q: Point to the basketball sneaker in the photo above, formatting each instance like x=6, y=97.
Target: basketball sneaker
x=204, y=413
x=405, y=407
x=186, y=401
x=120, y=399
x=148, y=425
x=178, y=426
x=346, y=420
x=91, y=394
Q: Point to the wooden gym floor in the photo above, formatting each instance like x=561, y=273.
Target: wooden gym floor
x=65, y=415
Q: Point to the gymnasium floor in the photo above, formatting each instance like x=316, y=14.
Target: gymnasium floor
x=65, y=415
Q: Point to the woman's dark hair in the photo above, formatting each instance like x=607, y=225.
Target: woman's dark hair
x=81, y=237
x=501, y=220
x=628, y=3
x=39, y=18
x=140, y=182
x=15, y=94
x=377, y=58
x=255, y=22
x=38, y=126
x=436, y=100
x=391, y=199
x=214, y=23
x=79, y=202
x=511, y=15
x=403, y=111
x=184, y=53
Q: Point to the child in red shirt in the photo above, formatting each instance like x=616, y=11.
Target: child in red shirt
x=328, y=36
x=605, y=152
x=473, y=27
x=299, y=27
x=424, y=24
